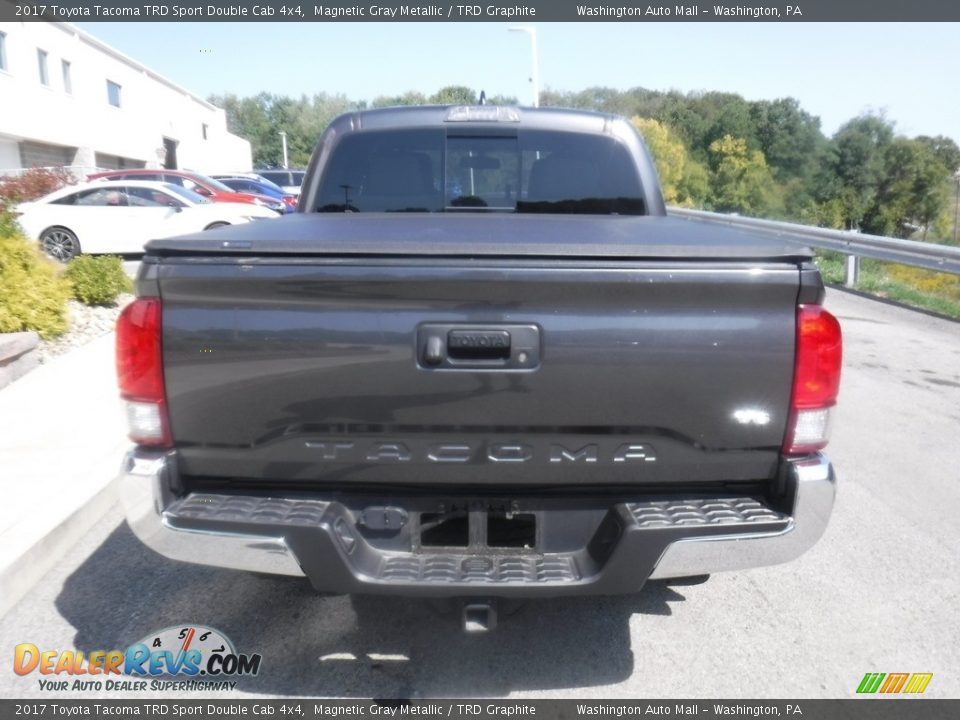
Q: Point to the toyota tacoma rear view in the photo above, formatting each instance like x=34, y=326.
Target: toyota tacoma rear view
x=479, y=362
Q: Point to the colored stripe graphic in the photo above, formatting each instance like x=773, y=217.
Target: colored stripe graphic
x=918, y=682
x=870, y=683
x=894, y=682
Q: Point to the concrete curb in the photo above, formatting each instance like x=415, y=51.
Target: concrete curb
x=18, y=355
x=19, y=576
x=62, y=440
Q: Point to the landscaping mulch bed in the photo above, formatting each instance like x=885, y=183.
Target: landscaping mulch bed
x=86, y=323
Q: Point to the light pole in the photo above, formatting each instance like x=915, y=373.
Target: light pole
x=535, y=77
x=283, y=136
x=956, y=206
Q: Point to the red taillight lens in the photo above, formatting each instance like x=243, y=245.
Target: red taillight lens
x=139, y=367
x=140, y=371
x=290, y=200
x=816, y=379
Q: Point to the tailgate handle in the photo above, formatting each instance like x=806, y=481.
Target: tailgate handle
x=468, y=347
x=478, y=344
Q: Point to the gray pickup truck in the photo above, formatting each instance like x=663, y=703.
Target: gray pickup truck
x=479, y=362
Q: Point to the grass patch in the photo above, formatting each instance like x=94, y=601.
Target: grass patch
x=939, y=292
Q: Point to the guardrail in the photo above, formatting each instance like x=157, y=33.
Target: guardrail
x=930, y=256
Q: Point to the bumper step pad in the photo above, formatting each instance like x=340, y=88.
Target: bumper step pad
x=209, y=507
x=479, y=569
x=691, y=513
x=324, y=538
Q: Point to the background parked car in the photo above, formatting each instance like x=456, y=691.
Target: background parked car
x=289, y=180
x=200, y=184
x=259, y=187
x=241, y=174
x=119, y=216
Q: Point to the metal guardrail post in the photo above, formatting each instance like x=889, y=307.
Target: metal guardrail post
x=852, y=275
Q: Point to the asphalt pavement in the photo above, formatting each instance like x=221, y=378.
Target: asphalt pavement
x=879, y=593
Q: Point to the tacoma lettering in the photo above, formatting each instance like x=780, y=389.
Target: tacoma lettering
x=393, y=452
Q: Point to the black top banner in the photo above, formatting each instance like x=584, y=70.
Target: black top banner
x=486, y=11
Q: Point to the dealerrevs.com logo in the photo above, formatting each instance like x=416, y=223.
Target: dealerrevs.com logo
x=190, y=657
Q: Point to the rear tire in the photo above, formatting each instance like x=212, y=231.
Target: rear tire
x=60, y=244
x=211, y=226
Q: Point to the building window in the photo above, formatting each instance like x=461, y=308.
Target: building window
x=3, y=51
x=113, y=93
x=204, y=130
x=67, y=81
x=42, y=64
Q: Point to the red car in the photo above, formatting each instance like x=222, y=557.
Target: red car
x=201, y=184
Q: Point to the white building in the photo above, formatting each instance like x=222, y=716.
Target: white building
x=66, y=98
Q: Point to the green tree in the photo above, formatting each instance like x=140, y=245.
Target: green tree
x=713, y=149
x=454, y=95
x=261, y=118
x=945, y=149
x=687, y=121
x=684, y=181
x=789, y=137
x=411, y=97
x=246, y=117
x=668, y=153
x=502, y=100
x=731, y=117
x=694, y=188
x=912, y=190
x=857, y=164
x=741, y=180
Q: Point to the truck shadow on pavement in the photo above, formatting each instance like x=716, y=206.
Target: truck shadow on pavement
x=316, y=645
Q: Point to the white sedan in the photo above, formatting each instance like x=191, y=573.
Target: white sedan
x=119, y=216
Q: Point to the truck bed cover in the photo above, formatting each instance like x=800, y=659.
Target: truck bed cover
x=494, y=235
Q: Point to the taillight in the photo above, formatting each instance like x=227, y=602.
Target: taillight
x=140, y=372
x=816, y=380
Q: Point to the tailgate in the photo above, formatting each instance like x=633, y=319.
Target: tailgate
x=317, y=369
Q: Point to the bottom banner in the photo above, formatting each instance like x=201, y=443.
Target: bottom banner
x=868, y=709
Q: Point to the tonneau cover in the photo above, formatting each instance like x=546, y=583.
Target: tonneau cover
x=493, y=235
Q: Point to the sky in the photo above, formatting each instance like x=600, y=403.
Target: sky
x=908, y=71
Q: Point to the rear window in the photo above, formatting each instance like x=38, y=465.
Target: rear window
x=276, y=176
x=95, y=197
x=437, y=171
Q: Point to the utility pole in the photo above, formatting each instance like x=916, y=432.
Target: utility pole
x=535, y=77
x=956, y=206
x=283, y=136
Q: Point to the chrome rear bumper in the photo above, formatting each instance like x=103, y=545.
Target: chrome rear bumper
x=283, y=536
x=144, y=488
x=815, y=483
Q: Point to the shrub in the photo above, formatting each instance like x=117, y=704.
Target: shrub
x=33, y=295
x=8, y=224
x=33, y=184
x=97, y=280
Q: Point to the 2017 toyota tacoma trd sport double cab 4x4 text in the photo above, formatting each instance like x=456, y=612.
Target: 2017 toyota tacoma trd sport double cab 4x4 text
x=479, y=362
